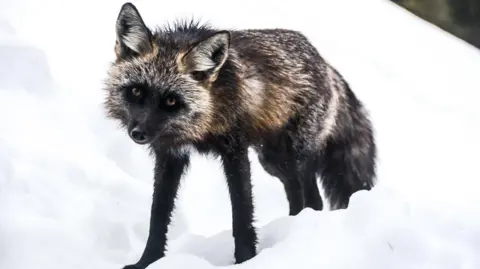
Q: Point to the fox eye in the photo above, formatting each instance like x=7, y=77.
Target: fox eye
x=137, y=92
x=171, y=101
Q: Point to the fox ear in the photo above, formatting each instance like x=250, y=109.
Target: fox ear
x=133, y=36
x=208, y=55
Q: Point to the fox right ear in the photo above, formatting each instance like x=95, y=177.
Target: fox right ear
x=133, y=36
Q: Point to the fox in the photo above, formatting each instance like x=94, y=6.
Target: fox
x=189, y=86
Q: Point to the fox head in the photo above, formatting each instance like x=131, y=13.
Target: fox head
x=158, y=87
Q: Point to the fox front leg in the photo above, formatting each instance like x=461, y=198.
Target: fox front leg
x=168, y=171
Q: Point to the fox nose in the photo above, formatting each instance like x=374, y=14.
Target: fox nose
x=139, y=136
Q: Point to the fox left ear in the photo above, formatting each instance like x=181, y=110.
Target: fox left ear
x=133, y=36
x=208, y=55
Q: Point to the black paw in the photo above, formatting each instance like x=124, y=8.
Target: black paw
x=132, y=266
x=244, y=253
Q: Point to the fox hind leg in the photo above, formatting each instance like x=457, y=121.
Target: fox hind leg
x=297, y=173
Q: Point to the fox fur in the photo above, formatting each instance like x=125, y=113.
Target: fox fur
x=190, y=86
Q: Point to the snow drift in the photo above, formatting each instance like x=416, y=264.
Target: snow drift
x=75, y=191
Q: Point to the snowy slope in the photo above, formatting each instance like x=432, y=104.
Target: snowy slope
x=75, y=191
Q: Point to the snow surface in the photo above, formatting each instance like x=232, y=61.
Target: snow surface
x=75, y=191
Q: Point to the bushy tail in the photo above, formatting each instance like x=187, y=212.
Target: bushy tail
x=348, y=162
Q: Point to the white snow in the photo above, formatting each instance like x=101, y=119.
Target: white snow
x=75, y=191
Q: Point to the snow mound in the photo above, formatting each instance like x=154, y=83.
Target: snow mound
x=391, y=234
x=75, y=191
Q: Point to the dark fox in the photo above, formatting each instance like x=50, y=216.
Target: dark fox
x=190, y=86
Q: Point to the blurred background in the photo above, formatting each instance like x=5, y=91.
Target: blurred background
x=458, y=17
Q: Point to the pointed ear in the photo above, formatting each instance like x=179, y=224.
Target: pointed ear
x=133, y=36
x=208, y=56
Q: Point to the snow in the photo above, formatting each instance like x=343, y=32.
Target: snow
x=75, y=191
